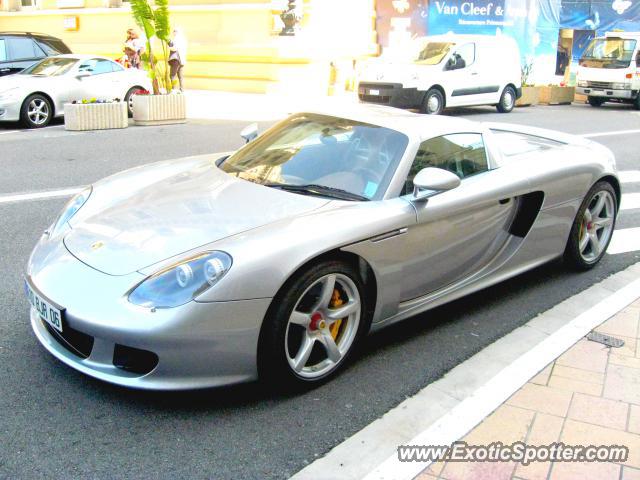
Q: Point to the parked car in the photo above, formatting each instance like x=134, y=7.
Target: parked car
x=608, y=69
x=441, y=71
x=19, y=50
x=276, y=260
x=39, y=93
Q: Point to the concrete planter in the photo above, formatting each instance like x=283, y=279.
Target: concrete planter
x=530, y=96
x=159, y=109
x=554, y=95
x=95, y=116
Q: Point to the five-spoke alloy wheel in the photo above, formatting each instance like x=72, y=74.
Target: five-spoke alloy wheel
x=36, y=111
x=593, y=227
x=313, y=325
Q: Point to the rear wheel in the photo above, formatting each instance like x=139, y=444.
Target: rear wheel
x=592, y=228
x=433, y=103
x=595, y=101
x=637, y=102
x=36, y=111
x=507, y=100
x=312, y=326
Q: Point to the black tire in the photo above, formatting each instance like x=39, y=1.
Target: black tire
x=29, y=115
x=636, y=104
x=572, y=254
x=595, y=101
x=128, y=97
x=433, y=102
x=274, y=369
x=507, y=100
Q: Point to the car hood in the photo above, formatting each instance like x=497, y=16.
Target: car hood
x=177, y=213
x=9, y=82
x=396, y=71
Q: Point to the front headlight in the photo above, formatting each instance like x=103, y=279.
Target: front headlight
x=621, y=86
x=583, y=83
x=70, y=209
x=182, y=282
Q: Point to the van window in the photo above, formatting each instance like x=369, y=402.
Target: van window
x=3, y=50
x=461, y=153
x=20, y=48
x=432, y=53
x=464, y=55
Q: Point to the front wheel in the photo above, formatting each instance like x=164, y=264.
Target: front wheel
x=507, y=100
x=433, y=103
x=36, y=111
x=312, y=326
x=595, y=101
x=636, y=104
x=592, y=228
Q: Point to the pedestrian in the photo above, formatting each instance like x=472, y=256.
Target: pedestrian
x=177, y=57
x=134, y=48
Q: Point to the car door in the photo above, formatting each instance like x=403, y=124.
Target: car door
x=97, y=79
x=21, y=52
x=457, y=232
x=462, y=76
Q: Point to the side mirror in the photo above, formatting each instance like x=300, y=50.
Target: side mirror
x=432, y=180
x=451, y=64
x=249, y=132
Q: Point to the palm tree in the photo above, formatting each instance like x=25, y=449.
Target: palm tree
x=155, y=23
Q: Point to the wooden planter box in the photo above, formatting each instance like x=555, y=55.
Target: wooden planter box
x=159, y=109
x=553, y=95
x=95, y=116
x=530, y=96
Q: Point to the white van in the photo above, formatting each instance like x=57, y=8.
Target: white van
x=609, y=69
x=441, y=71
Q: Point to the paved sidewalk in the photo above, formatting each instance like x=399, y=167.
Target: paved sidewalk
x=590, y=395
x=213, y=105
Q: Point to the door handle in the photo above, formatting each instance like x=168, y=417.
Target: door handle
x=474, y=73
x=504, y=201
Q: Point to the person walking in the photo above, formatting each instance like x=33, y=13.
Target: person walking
x=177, y=57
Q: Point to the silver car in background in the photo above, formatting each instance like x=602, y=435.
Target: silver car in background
x=272, y=262
x=38, y=94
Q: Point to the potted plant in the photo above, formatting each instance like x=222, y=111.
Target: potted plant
x=530, y=94
x=95, y=114
x=557, y=94
x=159, y=106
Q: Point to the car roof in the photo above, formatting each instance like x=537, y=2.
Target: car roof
x=410, y=123
x=28, y=34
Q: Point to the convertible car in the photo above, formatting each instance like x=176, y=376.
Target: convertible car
x=274, y=261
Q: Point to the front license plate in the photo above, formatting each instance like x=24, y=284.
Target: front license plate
x=48, y=312
x=374, y=92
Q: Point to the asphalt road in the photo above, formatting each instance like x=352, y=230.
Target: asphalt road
x=58, y=423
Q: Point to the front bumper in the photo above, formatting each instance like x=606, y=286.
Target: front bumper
x=10, y=111
x=607, y=93
x=392, y=94
x=196, y=345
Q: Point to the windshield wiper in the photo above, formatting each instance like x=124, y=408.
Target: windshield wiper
x=321, y=190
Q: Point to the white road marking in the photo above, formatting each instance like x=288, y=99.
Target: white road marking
x=624, y=240
x=630, y=201
x=468, y=393
x=6, y=132
x=629, y=176
x=21, y=197
x=606, y=134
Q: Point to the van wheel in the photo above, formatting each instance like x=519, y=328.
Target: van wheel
x=595, y=101
x=637, y=102
x=507, y=100
x=433, y=102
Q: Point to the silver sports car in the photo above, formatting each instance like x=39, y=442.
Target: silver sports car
x=38, y=93
x=273, y=261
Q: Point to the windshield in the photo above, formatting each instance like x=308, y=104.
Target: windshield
x=50, y=67
x=432, y=53
x=334, y=155
x=608, y=53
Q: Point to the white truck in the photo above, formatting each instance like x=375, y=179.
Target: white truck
x=609, y=69
x=440, y=71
